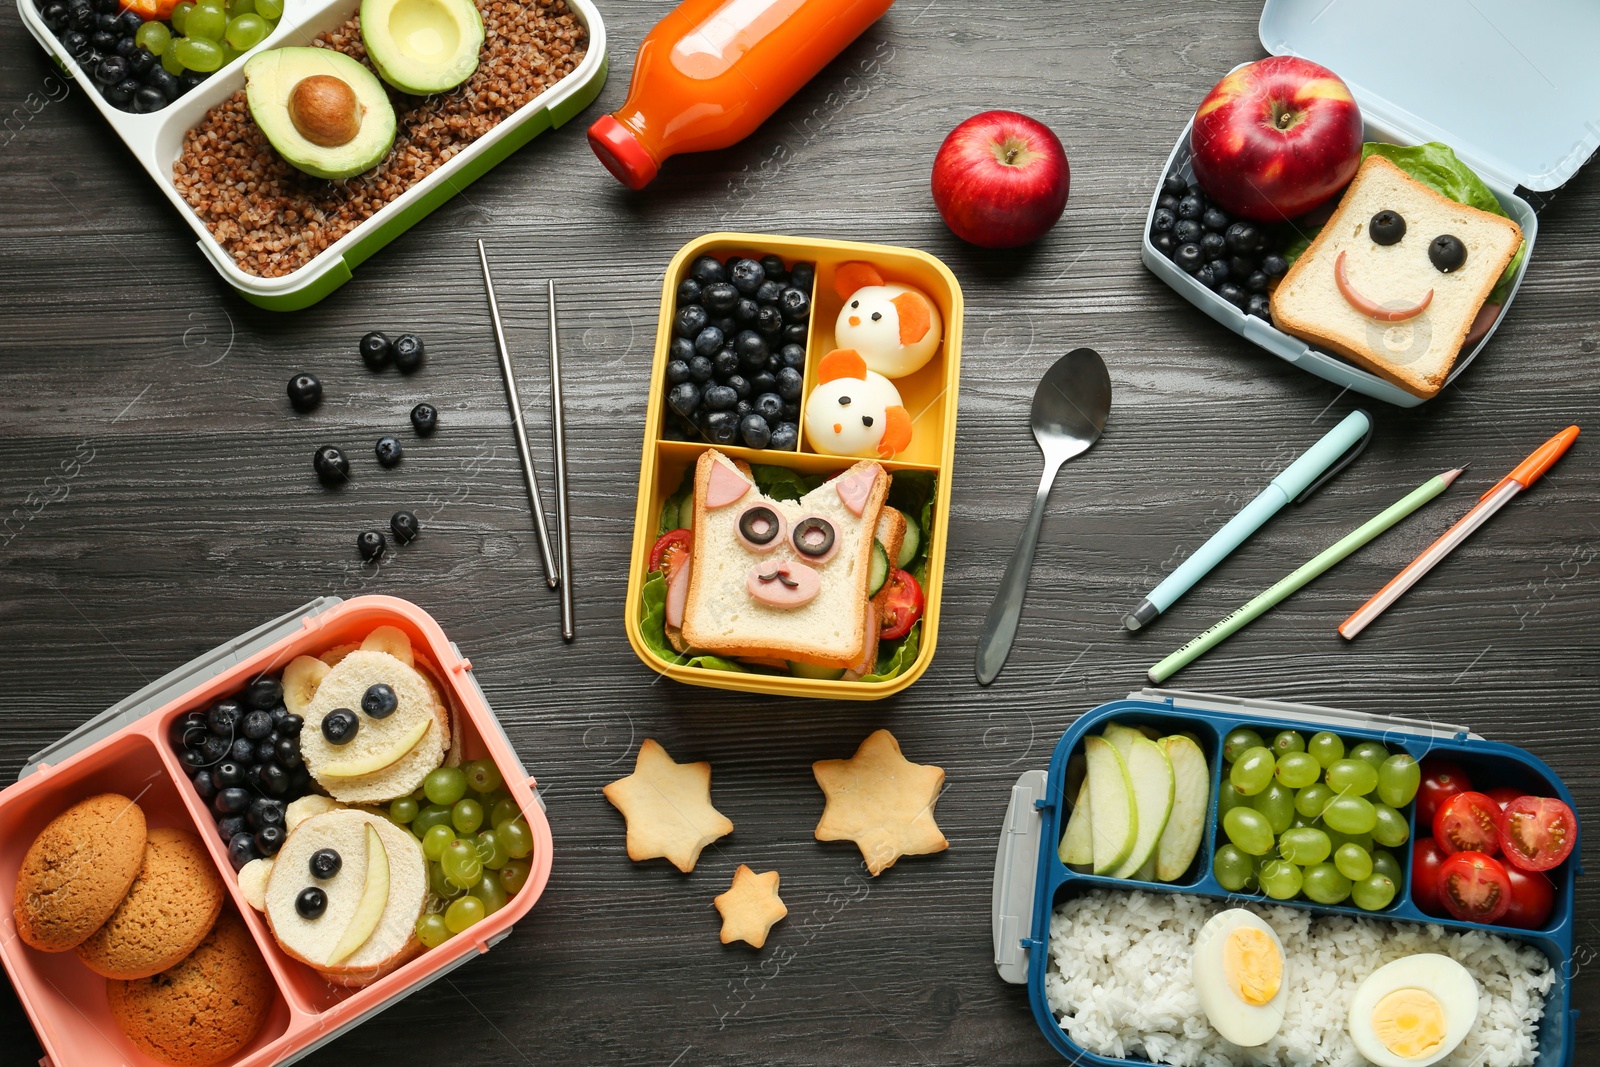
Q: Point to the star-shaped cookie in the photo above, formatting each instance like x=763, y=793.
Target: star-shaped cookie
x=751, y=907
x=881, y=801
x=668, y=808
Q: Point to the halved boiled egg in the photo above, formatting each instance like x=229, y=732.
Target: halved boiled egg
x=1414, y=1011
x=1239, y=977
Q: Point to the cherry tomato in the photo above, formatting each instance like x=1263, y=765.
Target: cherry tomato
x=1537, y=832
x=1426, y=858
x=1474, y=887
x=1441, y=780
x=902, y=606
x=1533, y=898
x=1468, y=822
x=1503, y=795
x=671, y=551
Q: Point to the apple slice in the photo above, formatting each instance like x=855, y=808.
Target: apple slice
x=1191, y=796
x=1115, y=821
x=374, y=896
x=1151, y=776
x=377, y=761
x=1077, y=844
x=1122, y=737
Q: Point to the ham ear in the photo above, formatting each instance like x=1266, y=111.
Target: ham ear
x=677, y=595
x=725, y=484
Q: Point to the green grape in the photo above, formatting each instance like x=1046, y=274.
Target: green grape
x=1238, y=742
x=1325, y=885
x=403, y=810
x=505, y=809
x=1252, y=771
x=1304, y=845
x=1280, y=879
x=1313, y=800
x=462, y=913
x=1248, y=829
x=206, y=22
x=153, y=36
x=1229, y=798
x=436, y=840
x=269, y=9
x=1353, y=777
x=1232, y=868
x=432, y=931
x=246, y=31
x=445, y=785
x=1288, y=741
x=482, y=775
x=429, y=817
x=1353, y=861
x=514, y=875
x=461, y=863
x=179, y=17
x=442, y=887
x=1371, y=752
x=490, y=893
x=1351, y=815
x=1300, y=822
x=1374, y=892
x=1298, y=769
x=1384, y=863
x=169, y=59
x=197, y=53
x=236, y=8
x=1277, y=803
x=1398, y=780
x=490, y=850
x=1338, y=838
x=466, y=816
x=515, y=838
x=1391, y=829
x=1326, y=747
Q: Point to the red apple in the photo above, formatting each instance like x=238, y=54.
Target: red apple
x=1000, y=179
x=1276, y=138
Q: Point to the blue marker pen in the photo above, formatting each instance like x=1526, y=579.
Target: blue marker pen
x=1301, y=478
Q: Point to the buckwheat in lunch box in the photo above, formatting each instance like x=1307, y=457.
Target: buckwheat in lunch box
x=126, y=750
x=1031, y=883
x=1512, y=89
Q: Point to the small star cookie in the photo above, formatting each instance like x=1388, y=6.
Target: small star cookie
x=881, y=801
x=668, y=808
x=751, y=907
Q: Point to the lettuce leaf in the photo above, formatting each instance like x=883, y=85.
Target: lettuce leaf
x=914, y=493
x=781, y=483
x=895, y=658
x=653, y=617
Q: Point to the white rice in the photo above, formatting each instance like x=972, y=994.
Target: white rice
x=1119, y=982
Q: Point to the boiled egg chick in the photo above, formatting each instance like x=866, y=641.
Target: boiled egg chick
x=1414, y=1011
x=1239, y=976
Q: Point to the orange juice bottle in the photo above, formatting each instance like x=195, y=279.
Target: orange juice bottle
x=713, y=70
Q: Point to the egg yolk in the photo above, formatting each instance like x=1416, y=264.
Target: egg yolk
x=1252, y=966
x=1409, y=1022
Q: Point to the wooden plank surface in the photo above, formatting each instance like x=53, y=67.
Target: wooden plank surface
x=193, y=516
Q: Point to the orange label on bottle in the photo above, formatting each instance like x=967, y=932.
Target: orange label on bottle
x=725, y=35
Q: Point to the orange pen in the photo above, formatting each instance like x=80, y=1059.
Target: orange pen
x=1526, y=473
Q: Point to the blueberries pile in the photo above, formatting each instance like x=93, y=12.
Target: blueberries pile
x=129, y=77
x=737, y=363
x=1236, y=259
x=243, y=756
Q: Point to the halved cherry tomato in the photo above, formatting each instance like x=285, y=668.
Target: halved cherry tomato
x=1468, y=822
x=902, y=606
x=151, y=10
x=671, y=551
x=1426, y=859
x=1474, y=887
x=1533, y=898
x=1537, y=832
x=1441, y=780
x=1503, y=795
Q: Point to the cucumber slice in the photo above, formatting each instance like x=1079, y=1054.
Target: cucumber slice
x=669, y=515
x=686, y=512
x=878, y=569
x=908, y=547
x=811, y=670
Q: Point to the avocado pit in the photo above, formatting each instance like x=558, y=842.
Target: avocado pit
x=325, y=110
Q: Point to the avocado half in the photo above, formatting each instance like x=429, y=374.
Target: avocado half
x=324, y=112
x=422, y=46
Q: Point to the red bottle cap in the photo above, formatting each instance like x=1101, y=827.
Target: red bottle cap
x=622, y=153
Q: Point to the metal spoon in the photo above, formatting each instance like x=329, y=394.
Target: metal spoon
x=1069, y=411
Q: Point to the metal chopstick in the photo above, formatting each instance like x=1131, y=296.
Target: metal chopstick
x=552, y=576
x=558, y=422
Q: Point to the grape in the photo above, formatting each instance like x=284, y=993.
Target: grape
x=1304, y=845
x=197, y=53
x=153, y=36
x=1252, y=771
x=1353, y=861
x=1370, y=752
x=1238, y=742
x=1232, y=868
x=240, y=7
x=1373, y=893
x=1326, y=747
x=505, y=809
x=1325, y=885
x=1313, y=800
x=1280, y=879
x=1351, y=815
x=1300, y=822
x=467, y=815
x=440, y=886
x=462, y=913
x=206, y=22
x=515, y=838
x=246, y=31
x=1364, y=840
x=482, y=775
x=436, y=840
x=1298, y=769
x=461, y=863
x=1288, y=741
x=1248, y=829
x=432, y=931
x=179, y=17
x=269, y=9
x=1384, y=863
x=1390, y=830
x=1229, y=798
x=445, y=785
x=490, y=893
x=430, y=816
x=1277, y=803
x=514, y=875
x=1353, y=777
x=403, y=810
x=490, y=850
x=1398, y=780
x=169, y=58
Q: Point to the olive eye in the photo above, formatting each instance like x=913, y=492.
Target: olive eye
x=876, y=315
x=1447, y=252
x=1387, y=227
x=813, y=537
x=760, y=528
x=855, y=303
x=866, y=420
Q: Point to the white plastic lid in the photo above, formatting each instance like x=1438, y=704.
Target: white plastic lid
x=1513, y=87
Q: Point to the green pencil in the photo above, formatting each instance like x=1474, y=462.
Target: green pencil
x=1325, y=559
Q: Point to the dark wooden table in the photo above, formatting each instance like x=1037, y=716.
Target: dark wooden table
x=194, y=516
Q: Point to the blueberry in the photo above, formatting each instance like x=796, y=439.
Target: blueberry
x=188, y=80
x=329, y=461
x=409, y=352
x=772, y=267
x=752, y=348
x=795, y=305
x=722, y=427
x=764, y=382
x=1256, y=282
x=287, y=752
x=379, y=701
x=727, y=324
x=231, y=800
x=339, y=726
x=424, y=419
x=129, y=23
x=264, y=750
x=242, y=751
x=1214, y=220
x=721, y=298
x=1192, y=206
x=371, y=543
x=785, y=438
x=388, y=451
x=795, y=333
x=1387, y=227
x=263, y=694
x=720, y=398
x=111, y=70
x=214, y=748
x=223, y=718
x=741, y=409
x=290, y=725
x=274, y=779
x=268, y=840
x=1163, y=220
x=264, y=811
x=706, y=270
x=126, y=46
x=746, y=311
x=791, y=411
x=681, y=348
x=75, y=43
x=1205, y=277
x=103, y=41
x=1274, y=265
x=311, y=902
x=1240, y=267
x=708, y=341
x=404, y=526
x=140, y=62
x=187, y=730
x=739, y=385
x=325, y=863
x=1258, y=305
x=802, y=276
x=1447, y=253
x=1168, y=201
x=1231, y=293
x=769, y=292
x=299, y=781
x=700, y=370
x=769, y=320
x=204, y=786
x=149, y=98
x=769, y=406
x=684, y=398
x=689, y=291
x=1174, y=184
x=1188, y=257
x=725, y=363
x=1212, y=244
x=241, y=850
x=755, y=431
x=677, y=369
x=193, y=759
x=158, y=78
x=746, y=276
x=1165, y=243
x=790, y=383
x=55, y=15
x=1219, y=270
x=305, y=392
x=376, y=350
x=231, y=826
x=252, y=776
x=1243, y=238
x=1187, y=231
x=690, y=320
